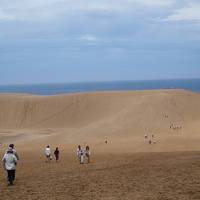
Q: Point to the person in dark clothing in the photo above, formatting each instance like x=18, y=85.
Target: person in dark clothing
x=56, y=154
x=87, y=153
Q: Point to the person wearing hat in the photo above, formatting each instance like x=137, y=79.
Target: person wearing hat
x=9, y=162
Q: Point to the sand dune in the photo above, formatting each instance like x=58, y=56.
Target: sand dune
x=127, y=167
x=122, y=118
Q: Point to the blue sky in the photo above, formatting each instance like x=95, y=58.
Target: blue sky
x=97, y=40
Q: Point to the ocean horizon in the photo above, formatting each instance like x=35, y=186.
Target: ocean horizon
x=61, y=88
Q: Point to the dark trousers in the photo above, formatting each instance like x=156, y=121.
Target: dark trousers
x=11, y=176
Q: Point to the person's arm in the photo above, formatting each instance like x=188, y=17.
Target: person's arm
x=16, y=155
x=15, y=159
x=4, y=162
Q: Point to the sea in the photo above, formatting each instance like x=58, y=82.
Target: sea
x=61, y=88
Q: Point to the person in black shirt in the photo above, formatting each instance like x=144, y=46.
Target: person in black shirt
x=56, y=153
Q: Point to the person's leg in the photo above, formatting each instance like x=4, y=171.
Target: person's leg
x=57, y=158
x=82, y=159
x=10, y=181
x=13, y=175
x=8, y=176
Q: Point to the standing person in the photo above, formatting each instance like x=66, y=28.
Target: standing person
x=78, y=152
x=48, y=153
x=56, y=154
x=9, y=162
x=82, y=156
x=87, y=153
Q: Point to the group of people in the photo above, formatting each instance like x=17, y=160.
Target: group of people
x=83, y=154
x=175, y=127
x=49, y=155
x=9, y=160
x=151, y=139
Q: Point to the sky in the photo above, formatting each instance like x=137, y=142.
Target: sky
x=55, y=41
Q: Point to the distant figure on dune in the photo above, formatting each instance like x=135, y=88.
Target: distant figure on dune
x=48, y=153
x=9, y=162
x=87, y=154
x=175, y=127
x=150, y=141
x=78, y=153
x=56, y=154
x=153, y=139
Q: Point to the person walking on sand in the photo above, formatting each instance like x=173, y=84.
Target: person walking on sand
x=87, y=153
x=82, y=156
x=48, y=153
x=56, y=154
x=9, y=163
x=78, y=152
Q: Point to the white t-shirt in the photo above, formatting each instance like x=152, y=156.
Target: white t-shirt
x=78, y=152
x=14, y=152
x=47, y=151
x=87, y=152
x=10, y=161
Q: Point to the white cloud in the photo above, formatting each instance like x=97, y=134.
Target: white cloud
x=88, y=38
x=45, y=9
x=191, y=12
x=4, y=16
x=154, y=2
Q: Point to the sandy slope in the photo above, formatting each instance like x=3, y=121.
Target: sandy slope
x=121, y=118
x=157, y=176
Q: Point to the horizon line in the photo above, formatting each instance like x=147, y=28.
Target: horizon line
x=87, y=82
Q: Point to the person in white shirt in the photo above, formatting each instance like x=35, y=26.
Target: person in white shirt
x=9, y=162
x=78, y=153
x=82, y=154
x=48, y=153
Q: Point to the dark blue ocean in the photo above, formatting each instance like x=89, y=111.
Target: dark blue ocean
x=52, y=89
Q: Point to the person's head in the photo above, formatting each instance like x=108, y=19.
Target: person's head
x=10, y=150
x=87, y=148
x=48, y=146
x=56, y=148
x=11, y=146
x=79, y=146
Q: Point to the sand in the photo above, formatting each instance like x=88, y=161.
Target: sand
x=148, y=176
x=126, y=167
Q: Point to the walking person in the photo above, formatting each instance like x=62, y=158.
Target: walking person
x=82, y=156
x=87, y=153
x=56, y=154
x=9, y=162
x=48, y=153
x=78, y=152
